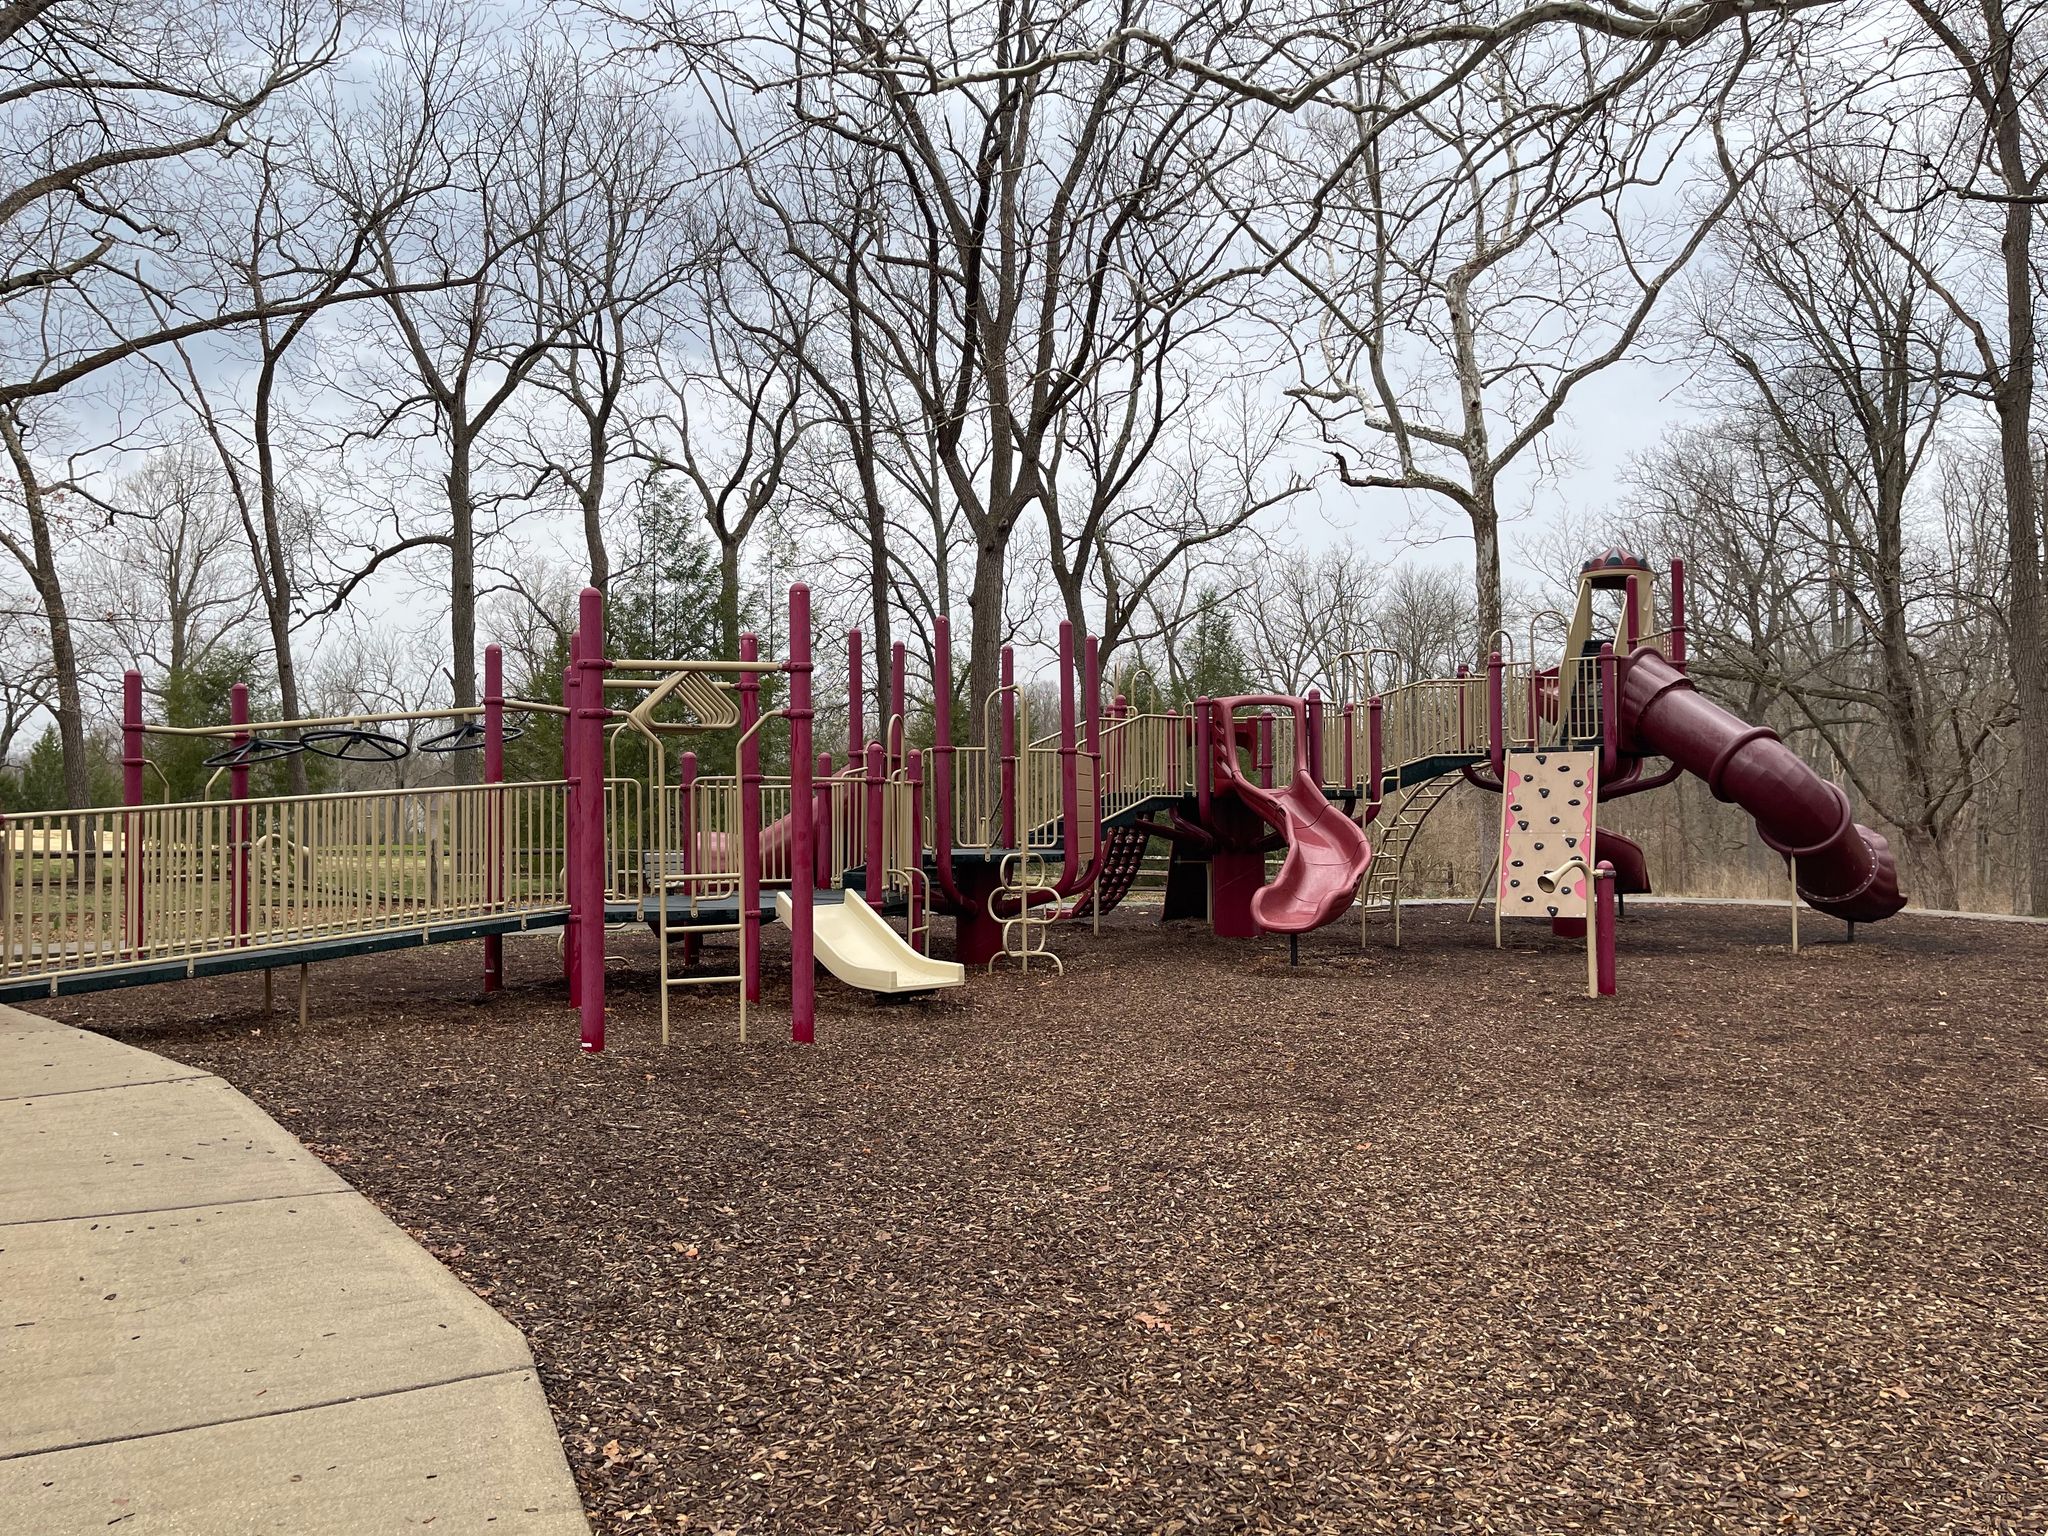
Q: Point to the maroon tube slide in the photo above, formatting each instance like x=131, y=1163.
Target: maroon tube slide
x=1844, y=869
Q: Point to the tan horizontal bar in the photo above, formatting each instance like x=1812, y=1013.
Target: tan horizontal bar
x=318, y=720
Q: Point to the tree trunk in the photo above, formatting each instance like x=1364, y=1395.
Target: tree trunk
x=2014, y=402
x=985, y=615
x=462, y=593
x=1486, y=564
x=592, y=499
x=728, y=596
x=878, y=603
x=49, y=585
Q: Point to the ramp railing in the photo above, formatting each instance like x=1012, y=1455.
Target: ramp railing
x=94, y=889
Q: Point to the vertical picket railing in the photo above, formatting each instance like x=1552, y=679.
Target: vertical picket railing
x=314, y=867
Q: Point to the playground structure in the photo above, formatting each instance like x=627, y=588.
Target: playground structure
x=1007, y=836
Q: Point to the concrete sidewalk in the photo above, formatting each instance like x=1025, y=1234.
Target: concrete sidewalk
x=207, y=1331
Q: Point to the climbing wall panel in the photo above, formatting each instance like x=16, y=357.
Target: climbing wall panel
x=1546, y=817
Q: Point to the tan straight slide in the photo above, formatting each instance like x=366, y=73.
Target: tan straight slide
x=861, y=949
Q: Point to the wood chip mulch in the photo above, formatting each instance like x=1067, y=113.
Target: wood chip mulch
x=1190, y=1241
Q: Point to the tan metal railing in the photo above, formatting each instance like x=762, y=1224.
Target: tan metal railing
x=977, y=791
x=1143, y=756
x=626, y=833
x=1439, y=717
x=84, y=890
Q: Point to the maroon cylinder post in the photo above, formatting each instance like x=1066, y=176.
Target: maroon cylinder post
x=1006, y=707
x=877, y=776
x=913, y=769
x=571, y=686
x=238, y=789
x=1205, y=754
x=1350, y=719
x=750, y=815
x=1677, y=603
x=1464, y=721
x=1263, y=751
x=494, y=809
x=803, y=972
x=132, y=740
x=856, y=715
x=1496, y=714
x=1603, y=928
x=1315, y=735
x=1091, y=686
x=1070, y=778
x=899, y=724
x=1610, y=714
x=1173, y=744
x=1374, y=763
x=1632, y=611
x=589, y=724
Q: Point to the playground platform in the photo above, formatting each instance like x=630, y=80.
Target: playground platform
x=208, y=1330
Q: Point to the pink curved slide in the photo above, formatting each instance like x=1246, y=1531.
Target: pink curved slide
x=1326, y=856
x=1844, y=869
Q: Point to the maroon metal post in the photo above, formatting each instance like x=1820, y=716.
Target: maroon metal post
x=942, y=760
x=1006, y=704
x=1603, y=928
x=856, y=724
x=1205, y=754
x=571, y=683
x=1070, y=779
x=803, y=971
x=1610, y=714
x=1091, y=683
x=877, y=776
x=1314, y=713
x=1173, y=742
x=898, y=724
x=239, y=831
x=1632, y=611
x=1263, y=751
x=588, y=723
x=750, y=815
x=1349, y=715
x=1496, y=714
x=1374, y=764
x=1678, y=614
x=131, y=796
x=913, y=769
x=1464, y=721
x=494, y=809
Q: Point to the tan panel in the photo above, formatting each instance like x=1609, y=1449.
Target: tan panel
x=1546, y=817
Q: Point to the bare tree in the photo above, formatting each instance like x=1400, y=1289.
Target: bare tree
x=120, y=120
x=723, y=414
x=493, y=135
x=1989, y=57
x=1483, y=257
x=968, y=218
x=608, y=260
x=173, y=576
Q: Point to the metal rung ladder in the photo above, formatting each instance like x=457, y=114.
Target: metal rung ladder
x=1380, y=890
x=1036, y=900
